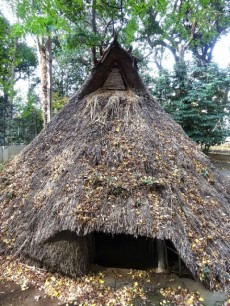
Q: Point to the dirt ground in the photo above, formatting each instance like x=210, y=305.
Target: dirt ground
x=224, y=168
x=12, y=295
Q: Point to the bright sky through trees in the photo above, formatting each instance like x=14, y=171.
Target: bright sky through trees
x=221, y=53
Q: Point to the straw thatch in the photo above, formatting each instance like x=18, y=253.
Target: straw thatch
x=113, y=161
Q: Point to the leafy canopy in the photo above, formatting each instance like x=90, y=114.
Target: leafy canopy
x=196, y=98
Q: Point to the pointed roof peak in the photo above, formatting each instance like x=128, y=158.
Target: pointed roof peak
x=114, y=55
x=114, y=43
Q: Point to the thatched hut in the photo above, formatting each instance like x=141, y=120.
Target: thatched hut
x=113, y=171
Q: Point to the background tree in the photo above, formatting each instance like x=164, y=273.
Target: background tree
x=17, y=61
x=28, y=121
x=180, y=26
x=5, y=64
x=41, y=20
x=198, y=100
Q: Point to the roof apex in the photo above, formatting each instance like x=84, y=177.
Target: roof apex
x=127, y=63
x=113, y=45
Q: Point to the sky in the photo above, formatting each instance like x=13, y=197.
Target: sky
x=221, y=53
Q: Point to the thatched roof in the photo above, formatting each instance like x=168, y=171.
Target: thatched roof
x=113, y=161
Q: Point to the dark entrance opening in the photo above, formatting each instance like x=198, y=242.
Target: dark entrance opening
x=123, y=251
x=126, y=251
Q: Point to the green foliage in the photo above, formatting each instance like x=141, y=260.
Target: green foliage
x=39, y=17
x=26, y=60
x=131, y=29
x=58, y=103
x=27, y=122
x=147, y=181
x=182, y=25
x=6, y=51
x=17, y=61
x=196, y=98
x=3, y=116
x=71, y=66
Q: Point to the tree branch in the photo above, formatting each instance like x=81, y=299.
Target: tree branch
x=162, y=43
x=191, y=36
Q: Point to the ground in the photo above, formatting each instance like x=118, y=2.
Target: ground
x=225, y=147
x=122, y=280
x=12, y=295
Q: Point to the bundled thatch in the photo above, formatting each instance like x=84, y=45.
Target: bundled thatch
x=113, y=161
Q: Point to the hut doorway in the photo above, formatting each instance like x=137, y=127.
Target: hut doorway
x=123, y=251
x=126, y=251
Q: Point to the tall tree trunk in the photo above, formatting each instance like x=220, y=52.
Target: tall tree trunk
x=12, y=81
x=3, y=126
x=94, y=28
x=44, y=83
x=42, y=49
x=50, y=77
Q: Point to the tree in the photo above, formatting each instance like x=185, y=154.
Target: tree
x=5, y=74
x=17, y=61
x=71, y=65
x=198, y=100
x=28, y=122
x=183, y=25
x=40, y=19
x=26, y=61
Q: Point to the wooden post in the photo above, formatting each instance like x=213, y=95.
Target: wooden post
x=162, y=253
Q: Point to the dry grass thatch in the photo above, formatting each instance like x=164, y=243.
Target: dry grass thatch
x=113, y=161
